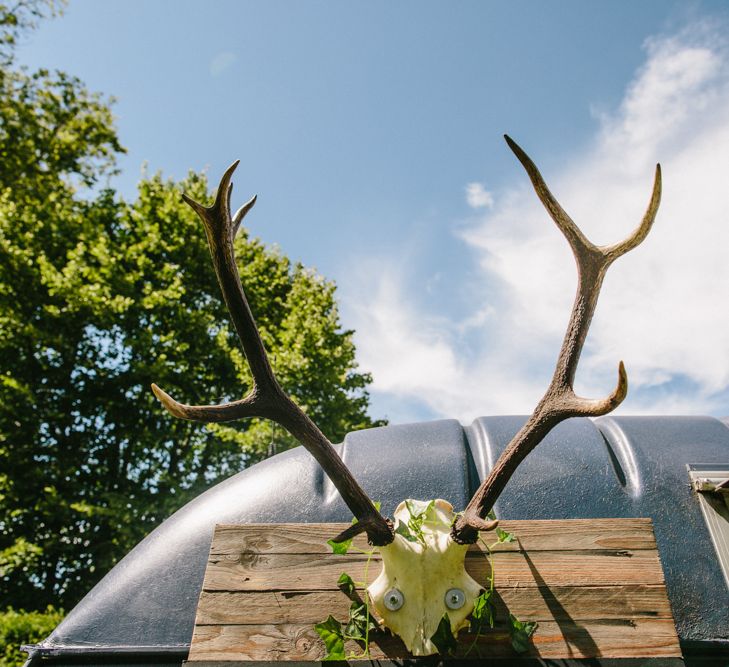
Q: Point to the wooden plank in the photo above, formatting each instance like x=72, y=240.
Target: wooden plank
x=284, y=538
x=296, y=572
x=645, y=637
x=560, y=603
x=543, y=535
x=595, y=587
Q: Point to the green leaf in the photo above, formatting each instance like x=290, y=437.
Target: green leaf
x=346, y=585
x=360, y=622
x=504, y=536
x=331, y=633
x=340, y=548
x=416, y=512
x=418, y=516
x=483, y=611
x=520, y=632
x=403, y=530
x=443, y=638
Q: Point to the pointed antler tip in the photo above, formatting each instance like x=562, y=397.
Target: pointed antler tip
x=525, y=160
x=194, y=205
x=229, y=171
x=657, y=187
x=159, y=393
x=483, y=525
x=169, y=403
x=621, y=391
x=242, y=211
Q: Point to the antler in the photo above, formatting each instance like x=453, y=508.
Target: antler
x=560, y=401
x=266, y=398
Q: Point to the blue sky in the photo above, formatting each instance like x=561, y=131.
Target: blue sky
x=372, y=133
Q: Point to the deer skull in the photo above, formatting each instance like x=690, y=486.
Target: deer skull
x=423, y=576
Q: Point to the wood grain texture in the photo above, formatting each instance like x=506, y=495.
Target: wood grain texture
x=562, y=602
x=588, y=639
x=544, y=535
x=302, y=572
x=595, y=587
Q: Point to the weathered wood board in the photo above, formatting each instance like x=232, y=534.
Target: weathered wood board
x=595, y=587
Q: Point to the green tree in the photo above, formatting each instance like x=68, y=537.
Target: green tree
x=100, y=297
x=18, y=18
x=18, y=628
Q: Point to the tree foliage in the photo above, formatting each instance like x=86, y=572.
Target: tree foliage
x=19, y=17
x=19, y=627
x=100, y=297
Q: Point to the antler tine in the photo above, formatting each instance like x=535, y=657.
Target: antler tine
x=560, y=401
x=572, y=232
x=242, y=211
x=266, y=398
x=641, y=231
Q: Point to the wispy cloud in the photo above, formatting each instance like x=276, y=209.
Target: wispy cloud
x=662, y=308
x=478, y=197
x=222, y=62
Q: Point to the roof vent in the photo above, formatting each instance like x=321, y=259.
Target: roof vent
x=711, y=482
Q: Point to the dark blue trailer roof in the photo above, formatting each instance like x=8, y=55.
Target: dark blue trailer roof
x=609, y=467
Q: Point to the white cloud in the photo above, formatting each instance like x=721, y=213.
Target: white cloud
x=414, y=354
x=478, y=197
x=663, y=306
x=221, y=62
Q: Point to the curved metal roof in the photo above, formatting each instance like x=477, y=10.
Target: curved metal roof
x=610, y=467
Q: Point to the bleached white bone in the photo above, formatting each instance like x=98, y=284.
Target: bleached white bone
x=423, y=571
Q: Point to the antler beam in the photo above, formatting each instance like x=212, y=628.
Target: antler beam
x=560, y=401
x=267, y=398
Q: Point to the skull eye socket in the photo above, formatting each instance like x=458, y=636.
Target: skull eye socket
x=455, y=598
x=394, y=599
